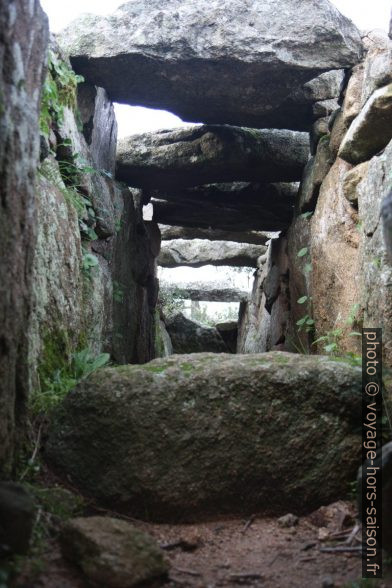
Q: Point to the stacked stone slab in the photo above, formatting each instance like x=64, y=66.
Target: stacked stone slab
x=179, y=169
x=182, y=158
x=238, y=63
x=252, y=237
x=199, y=252
x=273, y=70
x=204, y=291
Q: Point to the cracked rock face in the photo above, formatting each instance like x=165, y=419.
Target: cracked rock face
x=240, y=63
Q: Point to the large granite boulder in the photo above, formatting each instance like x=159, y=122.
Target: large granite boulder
x=201, y=252
x=23, y=46
x=189, y=336
x=204, y=434
x=233, y=62
x=204, y=154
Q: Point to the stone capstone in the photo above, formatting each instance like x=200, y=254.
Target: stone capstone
x=205, y=291
x=205, y=434
x=239, y=206
x=113, y=553
x=253, y=237
x=203, y=154
x=199, y=252
x=237, y=63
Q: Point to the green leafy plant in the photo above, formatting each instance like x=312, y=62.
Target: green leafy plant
x=55, y=387
x=118, y=292
x=49, y=170
x=89, y=262
x=59, y=91
x=302, y=252
x=352, y=318
x=330, y=341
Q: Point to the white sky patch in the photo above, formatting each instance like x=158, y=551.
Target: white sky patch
x=225, y=276
x=133, y=120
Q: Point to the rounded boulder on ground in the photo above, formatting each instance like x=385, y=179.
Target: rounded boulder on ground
x=201, y=435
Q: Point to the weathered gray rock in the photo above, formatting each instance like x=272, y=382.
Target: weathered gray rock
x=163, y=344
x=339, y=129
x=333, y=252
x=190, y=59
x=23, y=45
x=208, y=292
x=135, y=285
x=325, y=108
x=314, y=174
x=99, y=126
x=327, y=85
x=253, y=237
x=17, y=514
x=229, y=333
x=189, y=336
x=71, y=144
x=351, y=181
x=386, y=217
x=319, y=130
x=204, y=154
x=377, y=66
x=264, y=320
x=371, y=131
x=201, y=252
x=111, y=307
x=228, y=207
x=195, y=435
x=376, y=271
x=113, y=553
x=353, y=98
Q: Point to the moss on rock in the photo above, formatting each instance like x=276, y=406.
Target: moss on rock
x=204, y=434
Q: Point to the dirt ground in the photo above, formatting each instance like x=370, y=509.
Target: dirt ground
x=233, y=552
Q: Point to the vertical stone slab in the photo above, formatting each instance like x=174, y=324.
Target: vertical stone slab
x=23, y=43
x=99, y=125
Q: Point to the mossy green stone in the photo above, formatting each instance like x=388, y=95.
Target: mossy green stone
x=207, y=434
